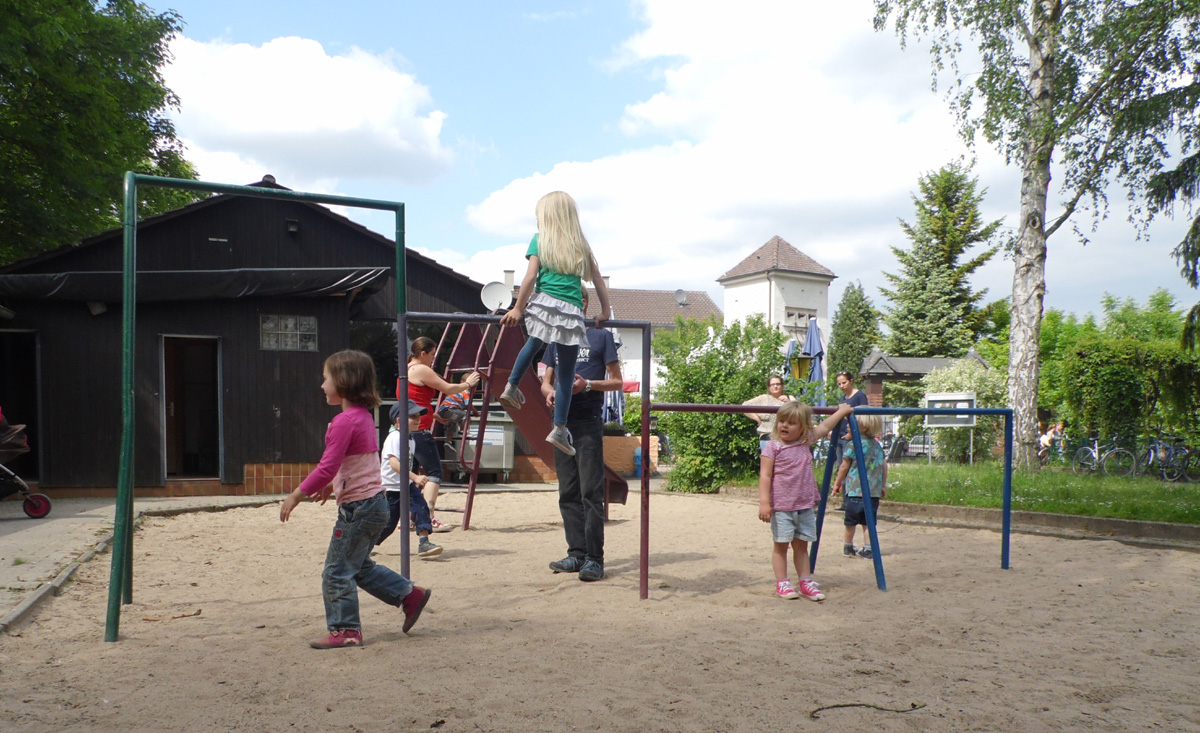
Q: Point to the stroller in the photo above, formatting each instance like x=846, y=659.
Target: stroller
x=13, y=443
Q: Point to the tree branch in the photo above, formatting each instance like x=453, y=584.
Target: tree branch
x=1097, y=163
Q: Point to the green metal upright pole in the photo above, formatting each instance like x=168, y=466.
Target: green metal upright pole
x=122, y=554
x=402, y=375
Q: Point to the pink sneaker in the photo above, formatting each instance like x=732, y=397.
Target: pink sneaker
x=784, y=589
x=809, y=589
x=339, y=638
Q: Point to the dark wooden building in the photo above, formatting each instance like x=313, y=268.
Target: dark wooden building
x=239, y=302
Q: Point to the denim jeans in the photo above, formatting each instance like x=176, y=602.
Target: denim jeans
x=418, y=512
x=348, y=564
x=425, y=453
x=564, y=373
x=581, y=489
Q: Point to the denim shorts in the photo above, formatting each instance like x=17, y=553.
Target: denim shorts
x=856, y=513
x=800, y=524
x=425, y=451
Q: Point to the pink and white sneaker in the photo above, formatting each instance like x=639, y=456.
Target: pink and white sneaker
x=809, y=589
x=784, y=589
x=438, y=526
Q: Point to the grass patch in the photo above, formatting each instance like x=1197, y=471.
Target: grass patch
x=1054, y=491
x=18, y=561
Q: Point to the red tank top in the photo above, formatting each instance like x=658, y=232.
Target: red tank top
x=423, y=395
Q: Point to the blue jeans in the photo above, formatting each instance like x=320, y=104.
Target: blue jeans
x=425, y=453
x=564, y=373
x=581, y=489
x=418, y=512
x=348, y=564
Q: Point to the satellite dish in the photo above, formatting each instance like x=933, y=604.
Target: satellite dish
x=495, y=295
x=681, y=297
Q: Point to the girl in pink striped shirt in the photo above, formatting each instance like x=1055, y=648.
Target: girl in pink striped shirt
x=787, y=493
x=349, y=470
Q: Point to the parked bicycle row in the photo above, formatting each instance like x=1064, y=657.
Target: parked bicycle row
x=1165, y=457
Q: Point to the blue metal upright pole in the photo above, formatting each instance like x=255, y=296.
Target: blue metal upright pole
x=1007, y=516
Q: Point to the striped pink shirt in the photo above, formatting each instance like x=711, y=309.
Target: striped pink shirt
x=792, y=484
x=351, y=458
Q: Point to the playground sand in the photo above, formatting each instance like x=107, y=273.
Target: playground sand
x=1078, y=634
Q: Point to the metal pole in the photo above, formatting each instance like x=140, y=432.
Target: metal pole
x=868, y=508
x=644, y=563
x=1008, y=451
x=402, y=385
x=120, y=573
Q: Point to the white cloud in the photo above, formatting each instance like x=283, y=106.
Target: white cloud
x=785, y=118
x=289, y=108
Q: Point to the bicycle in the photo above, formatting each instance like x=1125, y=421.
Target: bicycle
x=1091, y=458
x=1169, y=459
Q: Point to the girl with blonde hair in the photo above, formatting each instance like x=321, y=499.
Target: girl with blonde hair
x=551, y=301
x=787, y=493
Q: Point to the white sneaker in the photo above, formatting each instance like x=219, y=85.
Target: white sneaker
x=560, y=438
x=439, y=526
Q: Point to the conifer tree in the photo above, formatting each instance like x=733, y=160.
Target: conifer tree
x=854, y=331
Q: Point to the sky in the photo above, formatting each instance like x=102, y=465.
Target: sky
x=688, y=134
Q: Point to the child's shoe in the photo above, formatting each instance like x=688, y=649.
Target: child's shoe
x=849, y=550
x=512, y=397
x=438, y=525
x=428, y=549
x=784, y=589
x=413, y=604
x=865, y=552
x=809, y=589
x=560, y=438
x=339, y=638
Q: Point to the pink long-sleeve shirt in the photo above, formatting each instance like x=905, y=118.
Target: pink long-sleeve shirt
x=351, y=458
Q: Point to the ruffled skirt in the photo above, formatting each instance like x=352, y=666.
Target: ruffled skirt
x=555, y=321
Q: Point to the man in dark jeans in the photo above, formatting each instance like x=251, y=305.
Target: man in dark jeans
x=581, y=477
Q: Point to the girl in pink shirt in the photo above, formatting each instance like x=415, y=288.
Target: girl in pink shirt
x=349, y=470
x=787, y=493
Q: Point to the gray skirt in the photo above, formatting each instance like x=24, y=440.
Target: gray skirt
x=555, y=321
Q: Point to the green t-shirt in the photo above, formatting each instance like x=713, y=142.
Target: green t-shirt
x=555, y=284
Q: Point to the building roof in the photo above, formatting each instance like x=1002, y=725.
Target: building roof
x=774, y=256
x=658, y=307
x=879, y=363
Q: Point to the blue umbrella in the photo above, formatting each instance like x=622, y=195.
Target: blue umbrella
x=814, y=349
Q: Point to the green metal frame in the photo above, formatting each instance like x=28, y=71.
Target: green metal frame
x=120, y=583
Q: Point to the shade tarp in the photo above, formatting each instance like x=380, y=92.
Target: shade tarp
x=159, y=286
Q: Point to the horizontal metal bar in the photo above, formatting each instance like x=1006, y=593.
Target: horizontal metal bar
x=266, y=193
x=689, y=407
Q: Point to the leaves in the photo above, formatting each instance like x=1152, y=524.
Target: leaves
x=82, y=100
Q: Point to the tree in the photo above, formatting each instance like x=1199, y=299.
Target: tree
x=933, y=301
x=82, y=100
x=1184, y=183
x=704, y=362
x=854, y=332
x=1089, y=85
x=927, y=317
x=948, y=214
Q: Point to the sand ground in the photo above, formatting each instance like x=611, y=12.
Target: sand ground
x=1078, y=634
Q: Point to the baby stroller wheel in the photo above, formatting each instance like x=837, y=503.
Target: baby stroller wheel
x=36, y=506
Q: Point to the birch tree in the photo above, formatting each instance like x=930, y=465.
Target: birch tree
x=1101, y=89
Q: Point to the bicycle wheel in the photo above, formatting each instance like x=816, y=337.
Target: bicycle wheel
x=1141, y=465
x=1084, y=461
x=1172, y=466
x=1191, y=470
x=1118, y=463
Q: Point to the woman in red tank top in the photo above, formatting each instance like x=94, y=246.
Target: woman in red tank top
x=423, y=387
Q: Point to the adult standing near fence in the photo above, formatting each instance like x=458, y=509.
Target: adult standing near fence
x=854, y=397
x=423, y=387
x=581, y=476
x=773, y=398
